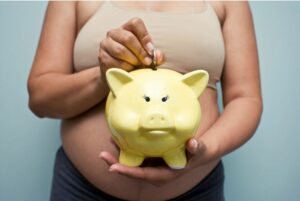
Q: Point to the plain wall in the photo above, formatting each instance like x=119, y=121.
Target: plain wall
x=266, y=168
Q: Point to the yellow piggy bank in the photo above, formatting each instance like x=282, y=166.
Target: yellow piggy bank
x=152, y=113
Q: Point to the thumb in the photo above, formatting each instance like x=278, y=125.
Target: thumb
x=159, y=57
x=195, y=146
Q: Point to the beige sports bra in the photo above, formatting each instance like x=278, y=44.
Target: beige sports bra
x=189, y=40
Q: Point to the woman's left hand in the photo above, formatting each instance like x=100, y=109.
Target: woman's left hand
x=158, y=175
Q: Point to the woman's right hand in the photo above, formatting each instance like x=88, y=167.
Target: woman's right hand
x=127, y=47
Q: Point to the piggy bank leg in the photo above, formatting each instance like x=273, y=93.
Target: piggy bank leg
x=130, y=159
x=176, y=159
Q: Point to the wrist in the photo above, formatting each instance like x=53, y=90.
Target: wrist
x=101, y=88
x=213, y=151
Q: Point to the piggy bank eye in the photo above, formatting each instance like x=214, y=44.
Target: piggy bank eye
x=147, y=98
x=164, y=99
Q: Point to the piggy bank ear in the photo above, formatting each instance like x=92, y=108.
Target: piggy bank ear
x=197, y=80
x=117, y=78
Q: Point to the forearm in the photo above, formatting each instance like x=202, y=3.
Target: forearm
x=64, y=96
x=234, y=127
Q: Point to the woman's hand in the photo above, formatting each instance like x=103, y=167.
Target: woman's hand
x=157, y=175
x=127, y=47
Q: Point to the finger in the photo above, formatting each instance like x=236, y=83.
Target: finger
x=192, y=146
x=146, y=173
x=138, y=28
x=119, y=51
x=195, y=146
x=159, y=57
x=109, y=158
x=129, y=40
x=108, y=61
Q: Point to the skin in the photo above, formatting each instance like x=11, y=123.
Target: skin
x=55, y=91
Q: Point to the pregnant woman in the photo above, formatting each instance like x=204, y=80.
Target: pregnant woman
x=80, y=41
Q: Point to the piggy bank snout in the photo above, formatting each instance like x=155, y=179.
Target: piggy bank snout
x=156, y=120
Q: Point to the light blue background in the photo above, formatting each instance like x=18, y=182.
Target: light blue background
x=265, y=169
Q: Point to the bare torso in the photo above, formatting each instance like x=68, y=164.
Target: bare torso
x=85, y=136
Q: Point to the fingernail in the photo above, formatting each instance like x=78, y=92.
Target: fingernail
x=149, y=47
x=112, y=168
x=159, y=56
x=194, y=143
x=147, y=61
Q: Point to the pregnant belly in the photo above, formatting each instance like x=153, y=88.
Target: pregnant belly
x=85, y=136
